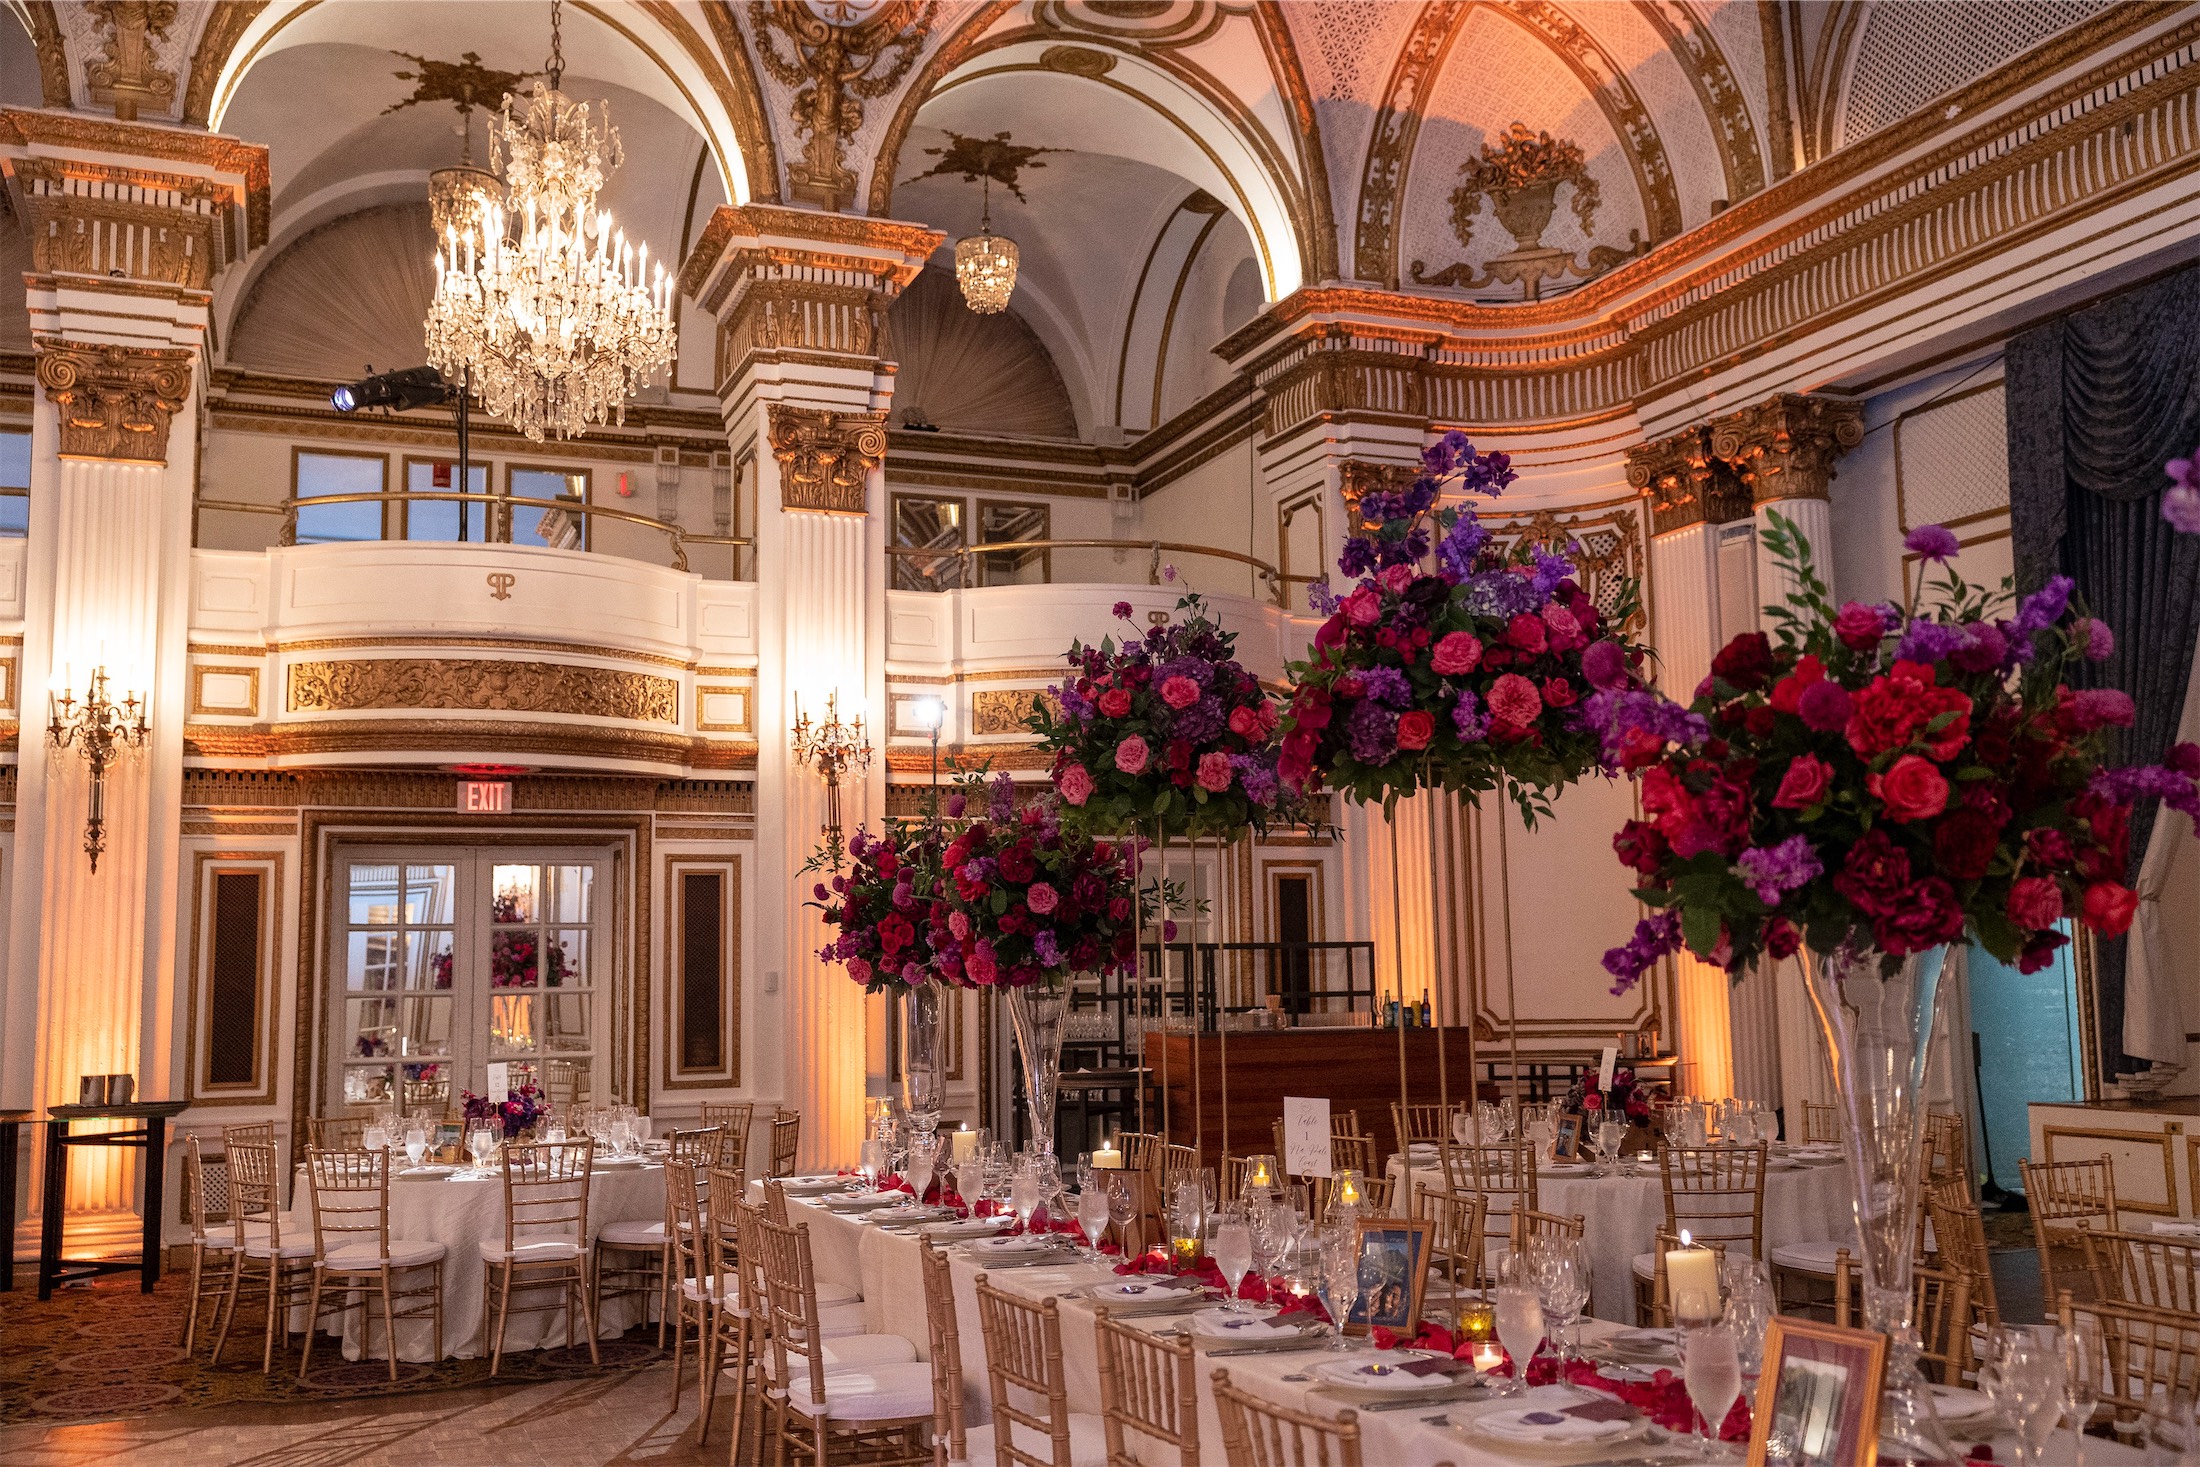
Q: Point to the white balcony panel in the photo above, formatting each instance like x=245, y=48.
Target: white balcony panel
x=229, y=592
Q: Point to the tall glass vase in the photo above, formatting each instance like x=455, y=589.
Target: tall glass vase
x=1036, y=1012
x=1877, y=1015
x=924, y=1075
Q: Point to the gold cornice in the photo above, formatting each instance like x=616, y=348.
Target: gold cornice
x=894, y=246
x=223, y=156
x=444, y=738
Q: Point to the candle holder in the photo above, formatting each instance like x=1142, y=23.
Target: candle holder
x=104, y=732
x=833, y=748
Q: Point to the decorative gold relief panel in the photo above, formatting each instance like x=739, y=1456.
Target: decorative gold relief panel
x=998, y=711
x=481, y=686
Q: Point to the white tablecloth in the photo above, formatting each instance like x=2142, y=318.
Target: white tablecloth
x=1621, y=1216
x=887, y=1273
x=460, y=1212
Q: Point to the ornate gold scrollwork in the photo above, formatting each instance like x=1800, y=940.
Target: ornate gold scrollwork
x=1686, y=483
x=825, y=458
x=115, y=402
x=382, y=683
x=838, y=56
x=1784, y=447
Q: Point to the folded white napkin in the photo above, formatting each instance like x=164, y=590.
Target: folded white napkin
x=1250, y=1328
x=1537, y=1424
x=2178, y=1227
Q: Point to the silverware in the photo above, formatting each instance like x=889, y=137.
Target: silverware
x=1293, y=1348
x=1422, y=1402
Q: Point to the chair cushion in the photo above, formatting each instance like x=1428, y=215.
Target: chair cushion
x=838, y=1321
x=852, y=1352
x=1814, y=1257
x=1088, y=1442
x=837, y=1294
x=550, y=1250
x=257, y=1246
x=710, y=1290
x=633, y=1235
x=1646, y=1265
x=872, y=1393
x=401, y=1255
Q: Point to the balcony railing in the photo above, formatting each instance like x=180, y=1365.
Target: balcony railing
x=947, y=568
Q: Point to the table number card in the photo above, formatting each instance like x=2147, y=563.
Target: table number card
x=500, y=1081
x=1604, y=1067
x=1305, y=1137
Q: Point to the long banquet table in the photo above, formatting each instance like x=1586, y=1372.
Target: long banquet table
x=1804, y=1203
x=885, y=1264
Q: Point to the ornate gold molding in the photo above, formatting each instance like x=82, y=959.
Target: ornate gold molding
x=115, y=402
x=127, y=74
x=1784, y=447
x=72, y=190
x=1358, y=478
x=481, y=686
x=835, y=69
x=1686, y=483
x=826, y=458
x=998, y=711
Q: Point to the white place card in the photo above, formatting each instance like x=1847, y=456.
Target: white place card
x=1604, y=1067
x=1305, y=1137
x=500, y=1081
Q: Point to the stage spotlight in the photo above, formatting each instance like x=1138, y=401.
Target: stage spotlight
x=397, y=391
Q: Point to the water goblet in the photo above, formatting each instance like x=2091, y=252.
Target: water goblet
x=2081, y=1365
x=1121, y=1211
x=1519, y=1320
x=1564, y=1290
x=1024, y=1195
x=1234, y=1251
x=374, y=1136
x=481, y=1142
x=1340, y=1280
x=416, y=1145
x=1711, y=1368
x=1092, y=1213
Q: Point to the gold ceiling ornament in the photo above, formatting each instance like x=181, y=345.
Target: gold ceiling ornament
x=555, y=316
x=127, y=74
x=1520, y=175
x=458, y=197
x=838, y=54
x=985, y=262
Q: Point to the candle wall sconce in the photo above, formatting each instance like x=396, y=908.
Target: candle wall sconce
x=832, y=748
x=104, y=731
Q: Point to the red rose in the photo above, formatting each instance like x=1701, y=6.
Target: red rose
x=1807, y=779
x=1781, y=938
x=2039, y=950
x=2109, y=906
x=1876, y=876
x=1639, y=846
x=1760, y=719
x=1245, y=723
x=1527, y=632
x=1415, y=729
x=1558, y=692
x=1859, y=626
x=1964, y=843
x=1926, y=917
x=1116, y=703
x=1745, y=662
x=2035, y=902
x=1363, y=608
x=2050, y=847
x=1179, y=691
x=1912, y=789
x=1787, y=693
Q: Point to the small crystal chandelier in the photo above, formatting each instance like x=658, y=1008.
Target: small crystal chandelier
x=985, y=264
x=561, y=322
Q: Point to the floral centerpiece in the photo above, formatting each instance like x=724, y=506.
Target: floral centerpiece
x=1453, y=663
x=517, y=956
x=1163, y=729
x=1864, y=786
x=1627, y=1100
x=1030, y=900
x=515, y=1114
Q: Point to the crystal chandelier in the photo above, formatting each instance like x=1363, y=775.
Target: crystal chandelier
x=985, y=264
x=540, y=296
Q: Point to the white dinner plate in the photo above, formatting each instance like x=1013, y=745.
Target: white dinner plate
x=428, y=1169
x=1546, y=1431
x=866, y=1201
x=811, y=1186
x=1135, y=1295
x=1379, y=1375
x=969, y=1227
x=909, y=1212
x=1018, y=1245
x=1648, y=1346
x=622, y=1163
x=1222, y=1327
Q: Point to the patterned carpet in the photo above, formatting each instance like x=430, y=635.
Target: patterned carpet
x=102, y=1351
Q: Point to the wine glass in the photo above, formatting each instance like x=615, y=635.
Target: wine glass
x=1609, y=1134
x=1712, y=1369
x=2032, y=1389
x=1270, y=1223
x=482, y=1143
x=1340, y=1266
x=1563, y=1280
x=416, y=1144
x=2081, y=1363
x=1234, y=1251
x=2172, y=1436
x=1121, y=1211
x=1093, y=1205
x=1519, y=1330
x=1024, y=1195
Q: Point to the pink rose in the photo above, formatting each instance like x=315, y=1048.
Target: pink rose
x=1179, y=691
x=1458, y=652
x=1859, y=626
x=1396, y=578
x=1075, y=783
x=1558, y=692
x=1214, y=772
x=1363, y=608
x=1042, y=898
x=2035, y=902
x=1527, y=632
x=1132, y=755
x=1911, y=789
x=1564, y=627
x=859, y=970
x=1415, y=729
x=959, y=924
x=1514, y=700
x=1805, y=783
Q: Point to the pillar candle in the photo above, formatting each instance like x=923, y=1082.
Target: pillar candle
x=1108, y=1159
x=966, y=1146
x=1690, y=1268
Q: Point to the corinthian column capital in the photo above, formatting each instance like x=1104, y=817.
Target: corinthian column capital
x=115, y=402
x=825, y=458
x=1685, y=483
x=1784, y=447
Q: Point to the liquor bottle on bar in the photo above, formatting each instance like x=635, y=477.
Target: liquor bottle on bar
x=1425, y=1022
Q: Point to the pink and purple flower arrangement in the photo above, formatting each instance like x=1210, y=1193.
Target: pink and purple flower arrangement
x=1883, y=776
x=1453, y=662
x=1165, y=728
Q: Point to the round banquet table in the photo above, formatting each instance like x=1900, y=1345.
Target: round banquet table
x=1805, y=1202
x=461, y=1212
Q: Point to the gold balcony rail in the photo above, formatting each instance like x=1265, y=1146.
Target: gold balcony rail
x=1266, y=574
x=499, y=524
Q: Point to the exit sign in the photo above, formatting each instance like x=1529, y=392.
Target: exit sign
x=485, y=796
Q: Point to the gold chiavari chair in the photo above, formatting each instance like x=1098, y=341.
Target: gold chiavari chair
x=734, y=1123
x=1502, y=1174
x=338, y=1133
x=2147, y=1356
x=1376, y=1193
x=2146, y=1269
x=564, y=1084
x=353, y=1252
x=2060, y=1195
x=786, y=1142
x=734, y=1299
x=698, y=1146
x=1260, y=1433
x=943, y=1334
x=1177, y=1164
x=426, y=1097
x=1961, y=1234
x=279, y=1273
x=252, y=1133
x=1428, y=1124
x=1531, y=1227
x=1947, y=1149
x=1716, y=1193
x=1141, y=1151
x=545, y=1243
x=1147, y=1387
x=1821, y=1123
x=215, y=1253
x=1023, y=1363
x=1656, y=1309
x=694, y=1286
x=1941, y=1311
x=1457, y=1247
x=633, y=1259
x=878, y=1415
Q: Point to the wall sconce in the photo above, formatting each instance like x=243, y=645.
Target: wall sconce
x=832, y=748
x=104, y=732
x=928, y=713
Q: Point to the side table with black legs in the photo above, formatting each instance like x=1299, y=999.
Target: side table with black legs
x=152, y=1139
x=12, y=1123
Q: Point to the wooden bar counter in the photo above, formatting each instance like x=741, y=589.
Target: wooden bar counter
x=1353, y=1069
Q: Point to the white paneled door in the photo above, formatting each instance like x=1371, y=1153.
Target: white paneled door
x=446, y=960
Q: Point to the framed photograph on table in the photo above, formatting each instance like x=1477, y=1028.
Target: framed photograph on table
x=1818, y=1400
x=1568, y=1145
x=1393, y=1275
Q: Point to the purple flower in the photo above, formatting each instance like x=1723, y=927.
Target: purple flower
x=1045, y=948
x=1258, y=776
x=1773, y=871
x=1500, y=594
x=1988, y=649
x=1372, y=732
x=1932, y=542
x=2043, y=608
x=1001, y=797
x=1387, y=685
x=1605, y=666
x=2100, y=641
x=1461, y=547
x=1122, y=611
x=1201, y=722
x=1357, y=557
x=2147, y=781
x=1468, y=718
x=1824, y=706
x=1320, y=597
x=1168, y=573
x=2181, y=501
x=1613, y=714
x=1655, y=937
x=956, y=804
x=1550, y=570
x=1930, y=641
